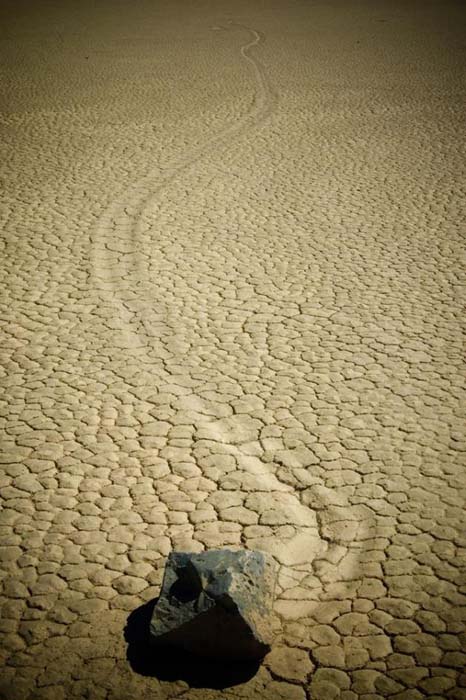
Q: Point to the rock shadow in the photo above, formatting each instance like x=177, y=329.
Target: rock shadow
x=168, y=663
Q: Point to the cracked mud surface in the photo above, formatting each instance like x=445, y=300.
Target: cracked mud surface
x=232, y=301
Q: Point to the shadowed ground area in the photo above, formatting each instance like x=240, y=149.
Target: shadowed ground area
x=232, y=304
x=171, y=664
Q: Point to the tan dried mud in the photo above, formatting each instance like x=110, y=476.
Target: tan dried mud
x=232, y=298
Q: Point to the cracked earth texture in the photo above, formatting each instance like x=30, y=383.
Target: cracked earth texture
x=232, y=316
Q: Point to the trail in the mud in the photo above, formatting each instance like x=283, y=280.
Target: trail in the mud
x=120, y=261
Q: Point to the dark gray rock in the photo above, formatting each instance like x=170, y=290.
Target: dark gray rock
x=217, y=604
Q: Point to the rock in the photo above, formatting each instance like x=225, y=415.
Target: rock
x=217, y=604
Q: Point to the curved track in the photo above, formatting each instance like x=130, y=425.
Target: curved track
x=121, y=272
x=258, y=343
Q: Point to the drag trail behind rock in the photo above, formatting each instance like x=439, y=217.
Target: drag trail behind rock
x=265, y=347
x=165, y=312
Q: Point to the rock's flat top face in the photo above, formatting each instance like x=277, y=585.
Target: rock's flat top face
x=217, y=603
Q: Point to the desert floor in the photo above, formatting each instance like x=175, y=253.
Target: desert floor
x=232, y=263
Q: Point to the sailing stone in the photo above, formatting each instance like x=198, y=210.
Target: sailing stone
x=217, y=604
